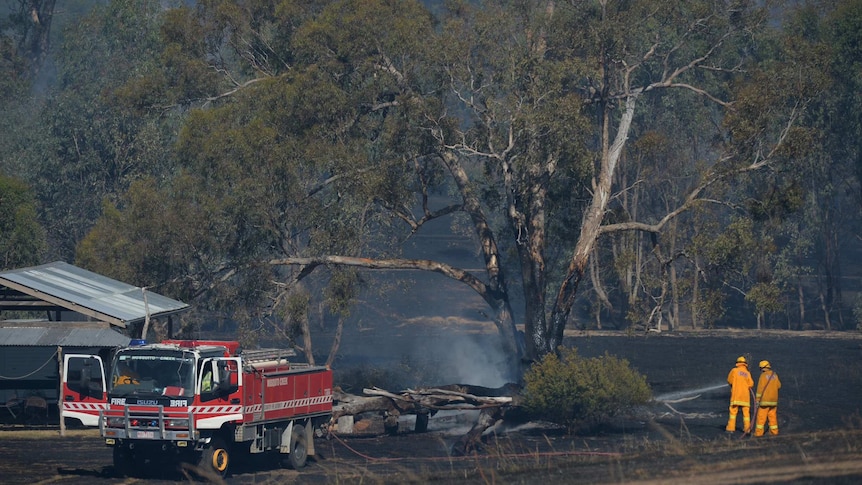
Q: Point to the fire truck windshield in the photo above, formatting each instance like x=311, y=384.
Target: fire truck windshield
x=153, y=372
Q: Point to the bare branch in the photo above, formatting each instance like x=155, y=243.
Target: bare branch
x=458, y=274
x=336, y=178
x=233, y=91
x=702, y=93
x=694, y=196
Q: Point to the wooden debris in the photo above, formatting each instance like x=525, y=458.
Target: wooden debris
x=470, y=442
x=426, y=401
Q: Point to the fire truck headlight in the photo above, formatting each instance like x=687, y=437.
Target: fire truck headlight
x=116, y=422
x=177, y=423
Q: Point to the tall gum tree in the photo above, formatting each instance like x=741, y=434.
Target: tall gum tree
x=611, y=55
x=527, y=79
x=324, y=131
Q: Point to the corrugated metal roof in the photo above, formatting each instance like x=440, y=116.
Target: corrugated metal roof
x=58, y=335
x=89, y=293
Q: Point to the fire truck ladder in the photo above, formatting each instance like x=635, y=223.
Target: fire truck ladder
x=260, y=357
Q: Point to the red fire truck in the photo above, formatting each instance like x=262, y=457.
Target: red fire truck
x=198, y=402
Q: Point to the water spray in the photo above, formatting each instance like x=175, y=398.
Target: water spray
x=675, y=396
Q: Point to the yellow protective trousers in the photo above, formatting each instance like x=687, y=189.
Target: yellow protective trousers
x=765, y=413
x=746, y=418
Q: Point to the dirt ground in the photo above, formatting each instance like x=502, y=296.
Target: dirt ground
x=679, y=438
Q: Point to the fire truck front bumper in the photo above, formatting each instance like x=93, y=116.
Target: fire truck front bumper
x=111, y=435
x=124, y=424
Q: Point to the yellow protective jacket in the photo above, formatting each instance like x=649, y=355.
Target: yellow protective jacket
x=740, y=385
x=767, y=388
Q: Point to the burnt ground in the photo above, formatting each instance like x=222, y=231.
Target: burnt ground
x=678, y=439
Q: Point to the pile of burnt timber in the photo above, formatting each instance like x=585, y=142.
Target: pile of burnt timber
x=493, y=403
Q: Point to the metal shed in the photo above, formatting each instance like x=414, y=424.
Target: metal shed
x=69, y=293
x=81, y=312
x=29, y=355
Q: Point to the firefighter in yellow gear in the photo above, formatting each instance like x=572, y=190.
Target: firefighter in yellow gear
x=207, y=381
x=768, y=385
x=125, y=376
x=741, y=383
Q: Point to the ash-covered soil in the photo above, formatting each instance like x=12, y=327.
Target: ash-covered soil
x=678, y=439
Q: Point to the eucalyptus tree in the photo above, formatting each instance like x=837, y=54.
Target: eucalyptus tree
x=323, y=126
x=813, y=261
x=542, y=97
x=24, y=43
x=613, y=56
x=841, y=122
x=31, y=22
x=14, y=86
x=22, y=239
x=85, y=141
x=795, y=218
x=284, y=152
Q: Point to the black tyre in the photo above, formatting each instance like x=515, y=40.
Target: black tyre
x=123, y=463
x=216, y=458
x=298, y=447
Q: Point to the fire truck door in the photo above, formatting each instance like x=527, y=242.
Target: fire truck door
x=83, y=388
x=219, y=378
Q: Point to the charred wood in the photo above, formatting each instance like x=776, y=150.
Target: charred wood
x=424, y=402
x=470, y=442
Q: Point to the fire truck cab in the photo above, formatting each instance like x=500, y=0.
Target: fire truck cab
x=198, y=402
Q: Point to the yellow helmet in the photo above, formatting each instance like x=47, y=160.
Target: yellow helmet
x=740, y=360
x=764, y=364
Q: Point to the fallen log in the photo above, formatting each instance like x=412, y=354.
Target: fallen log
x=423, y=402
x=351, y=405
x=493, y=404
x=439, y=399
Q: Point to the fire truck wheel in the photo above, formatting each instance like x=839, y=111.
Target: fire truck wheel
x=123, y=464
x=216, y=458
x=298, y=448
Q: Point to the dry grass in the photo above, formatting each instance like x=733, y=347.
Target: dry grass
x=667, y=457
x=41, y=434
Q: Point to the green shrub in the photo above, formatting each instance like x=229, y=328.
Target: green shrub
x=580, y=393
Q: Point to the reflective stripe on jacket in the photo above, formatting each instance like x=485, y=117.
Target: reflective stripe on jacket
x=740, y=385
x=767, y=388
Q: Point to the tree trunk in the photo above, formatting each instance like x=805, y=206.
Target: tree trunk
x=599, y=288
x=695, y=295
x=336, y=341
x=825, y=308
x=801, y=295
x=495, y=293
x=674, y=299
x=590, y=227
x=837, y=300
x=37, y=40
x=306, y=338
x=673, y=320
